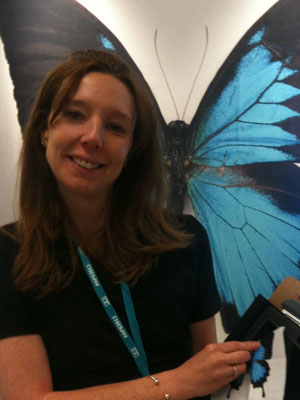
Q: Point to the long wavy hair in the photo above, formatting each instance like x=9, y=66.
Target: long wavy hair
x=137, y=227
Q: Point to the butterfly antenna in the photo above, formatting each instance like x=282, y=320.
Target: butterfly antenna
x=198, y=72
x=163, y=72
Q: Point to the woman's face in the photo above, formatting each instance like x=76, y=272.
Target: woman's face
x=88, y=143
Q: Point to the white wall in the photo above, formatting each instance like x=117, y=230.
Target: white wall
x=10, y=143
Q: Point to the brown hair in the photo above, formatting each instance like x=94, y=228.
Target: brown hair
x=137, y=226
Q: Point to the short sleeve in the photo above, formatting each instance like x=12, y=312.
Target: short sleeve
x=15, y=318
x=206, y=297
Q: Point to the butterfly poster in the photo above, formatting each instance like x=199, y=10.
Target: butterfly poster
x=231, y=145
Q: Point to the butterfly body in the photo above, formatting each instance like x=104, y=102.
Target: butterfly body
x=178, y=146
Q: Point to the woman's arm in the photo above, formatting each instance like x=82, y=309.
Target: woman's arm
x=24, y=368
x=203, y=333
x=25, y=374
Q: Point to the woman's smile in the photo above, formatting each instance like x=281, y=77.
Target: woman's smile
x=85, y=164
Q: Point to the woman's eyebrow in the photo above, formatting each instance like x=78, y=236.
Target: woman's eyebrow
x=115, y=112
x=123, y=115
x=77, y=102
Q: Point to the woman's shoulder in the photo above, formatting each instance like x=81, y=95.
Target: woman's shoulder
x=8, y=232
x=190, y=224
x=8, y=240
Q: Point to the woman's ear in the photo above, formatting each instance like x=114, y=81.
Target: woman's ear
x=44, y=138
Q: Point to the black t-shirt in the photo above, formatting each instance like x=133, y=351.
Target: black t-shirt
x=82, y=345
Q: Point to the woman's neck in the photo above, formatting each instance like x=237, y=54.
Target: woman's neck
x=87, y=215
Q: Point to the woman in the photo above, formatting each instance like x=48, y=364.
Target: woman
x=91, y=215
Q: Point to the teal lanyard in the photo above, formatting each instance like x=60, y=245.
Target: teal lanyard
x=135, y=344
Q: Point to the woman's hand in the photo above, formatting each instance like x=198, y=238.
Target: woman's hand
x=213, y=367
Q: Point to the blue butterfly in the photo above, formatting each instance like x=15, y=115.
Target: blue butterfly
x=259, y=368
x=236, y=160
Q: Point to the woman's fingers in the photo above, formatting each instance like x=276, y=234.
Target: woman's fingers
x=231, y=353
x=228, y=360
x=237, y=357
x=228, y=347
x=239, y=353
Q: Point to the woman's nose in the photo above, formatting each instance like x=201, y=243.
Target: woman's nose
x=93, y=135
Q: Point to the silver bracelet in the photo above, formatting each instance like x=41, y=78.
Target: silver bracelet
x=156, y=382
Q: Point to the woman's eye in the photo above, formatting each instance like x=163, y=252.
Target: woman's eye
x=74, y=115
x=117, y=128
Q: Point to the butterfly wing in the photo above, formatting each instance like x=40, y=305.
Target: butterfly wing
x=244, y=186
x=38, y=35
x=260, y=368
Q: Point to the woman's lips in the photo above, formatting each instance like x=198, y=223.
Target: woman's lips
x=85, y=164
